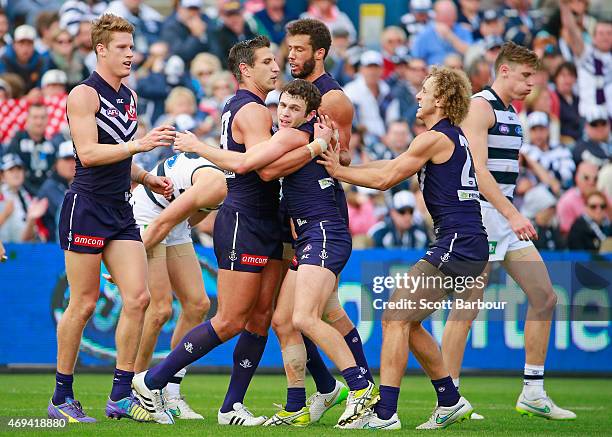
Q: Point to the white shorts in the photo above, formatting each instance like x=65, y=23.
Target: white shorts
x=500, y=235
x=145, y=211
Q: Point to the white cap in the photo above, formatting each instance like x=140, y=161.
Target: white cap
x=596, y=113
x=536, y=200
x=420, y=5
x=65, y=150
x=24, y=32
x=371, y=57
x=537, y=118
x=53, y=77
x=404, y=199
x=273, y=97
x=191, y=4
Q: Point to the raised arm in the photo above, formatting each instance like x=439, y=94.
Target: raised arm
x=384, y=174
x=476, y=125
x=339, y=108
x=82, y=106
x=570, y=30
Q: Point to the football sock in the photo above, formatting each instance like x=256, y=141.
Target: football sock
x=456, y=383
x=196, y=343
x=173, y=389
x=533, y=382
x=323, y=379
x=247, y=354
x=353, y=340
x=296, y=399
x=63, y=388
x=122, y=385
x=354, y=379
x=445, y=390
x=387, y=405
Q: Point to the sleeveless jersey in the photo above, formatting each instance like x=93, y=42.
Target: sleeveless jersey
x=504, y=140
x=450, y=190
x=180, y=169
x=117, y=122
x=309, y=192
x=247, y=193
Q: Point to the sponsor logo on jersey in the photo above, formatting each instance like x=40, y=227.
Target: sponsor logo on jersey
x=112, y=112
x=326, y=183
x=229, y=174
x=504, y=129
x=88, y=240
x=301, y=222
x=518, y=130
x=253, y=260
x=130, y=110
x=468, y=195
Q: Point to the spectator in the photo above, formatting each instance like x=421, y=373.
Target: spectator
x=392, y=39
x=417, y=19
x=83, y=44
x=374, y=104
x=187, y=30
x=357, y=145
x=540, y=100
x=557, y=27
x=221, y=87
x=592, y=228
x=443, y=36
x=271, y=102
x=491, y=24
x=203, y=67
x=74, y=12
x=27, y=10
x=520, y=21
x=572, y=203
x=604, y=181
x=47, y=25
x=469, y=16
x=18, y=211
x=54, y=97
x=5, y=36
x=272, y=19
x=327, y=12
x=397, y=230
x=56, y=185
x=454, y=61
x=181, y=111
x=234, y=28
x=539, y=206
x=337, y=60
x=33, y=149
x=554, y=158
x=146, y=21
x=479, y=73
x=20, y=58
x=395, y=142
x=597, y=147
x=571, y=125
x=402, y=88
x=361, y=212
x=64, y=57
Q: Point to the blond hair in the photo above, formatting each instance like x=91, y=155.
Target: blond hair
x=512, y=53
x=454, y=89
x=204, y=59
x=104, y=27
x=220, y=76
x=178, y=93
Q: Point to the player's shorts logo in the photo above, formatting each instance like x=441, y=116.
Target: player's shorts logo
x=233, y=256
x=130, y=110
x=323, y=254
x=492, y=247
x=307, y=248
x=305, y=256
x=253, y=260
x=444, y=258
x=87, y=240
x=504, y=129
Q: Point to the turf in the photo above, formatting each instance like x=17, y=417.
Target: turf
x=493, y=397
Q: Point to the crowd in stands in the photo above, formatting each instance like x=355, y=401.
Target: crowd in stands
x=180, y=75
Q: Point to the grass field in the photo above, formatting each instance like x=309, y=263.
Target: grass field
x=27, y=396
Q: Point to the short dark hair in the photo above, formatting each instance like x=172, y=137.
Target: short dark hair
x=320, y=38
x=569, y=66
x=305, y=90
x=37, y=105
x=244, y=52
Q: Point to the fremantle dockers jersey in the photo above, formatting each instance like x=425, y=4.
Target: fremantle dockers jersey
x=116, y=122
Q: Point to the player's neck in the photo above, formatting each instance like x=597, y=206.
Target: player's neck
x=432, y=120
x=113, y=80
x=262, y=94
x=501, y=93
x=317, y=72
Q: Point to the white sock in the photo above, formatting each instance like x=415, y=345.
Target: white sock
x=533, y=382
x=173, y=390
x=456, y=383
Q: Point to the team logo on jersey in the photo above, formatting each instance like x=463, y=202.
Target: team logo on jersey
x=233, y=256
x=130, y=110
x=504, y=129
x=492, y=247
x=112, y=112
x=171, y=161
x=89, y=241
x=323, y=254
x=518, y=130
x=253, y=260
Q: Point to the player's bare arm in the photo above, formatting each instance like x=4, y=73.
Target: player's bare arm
x=82, y=106
x=339, y=108
x=208, y=190
x=384, y=174
x=476, y=125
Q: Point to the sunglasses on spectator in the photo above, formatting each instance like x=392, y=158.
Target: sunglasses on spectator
x=598, y=123
x=588, y=178
x=601, y=206
x=403, y=211
x=64, y=41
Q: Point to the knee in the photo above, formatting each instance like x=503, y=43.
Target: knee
x=303, y=322
x=281, y=324
x=83, y=310
x=260, y=321
x=197, y=309
x=389, y=325
x=137, y=302
x=551, y=301
x=228, y=327
x=547, y=303
x=161, y=313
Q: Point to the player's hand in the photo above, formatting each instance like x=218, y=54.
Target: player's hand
x=186, y=142
x=330, y=160
x=160, y=136
x=522, y=227
x=37, y=208
x=160, y=185
x=324, y=128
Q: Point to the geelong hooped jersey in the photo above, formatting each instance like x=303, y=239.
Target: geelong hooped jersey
x=504, y=140
x=116, y=122
x=180, y=169
x=450, y=190
x=309, y=192
x=247, y=193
